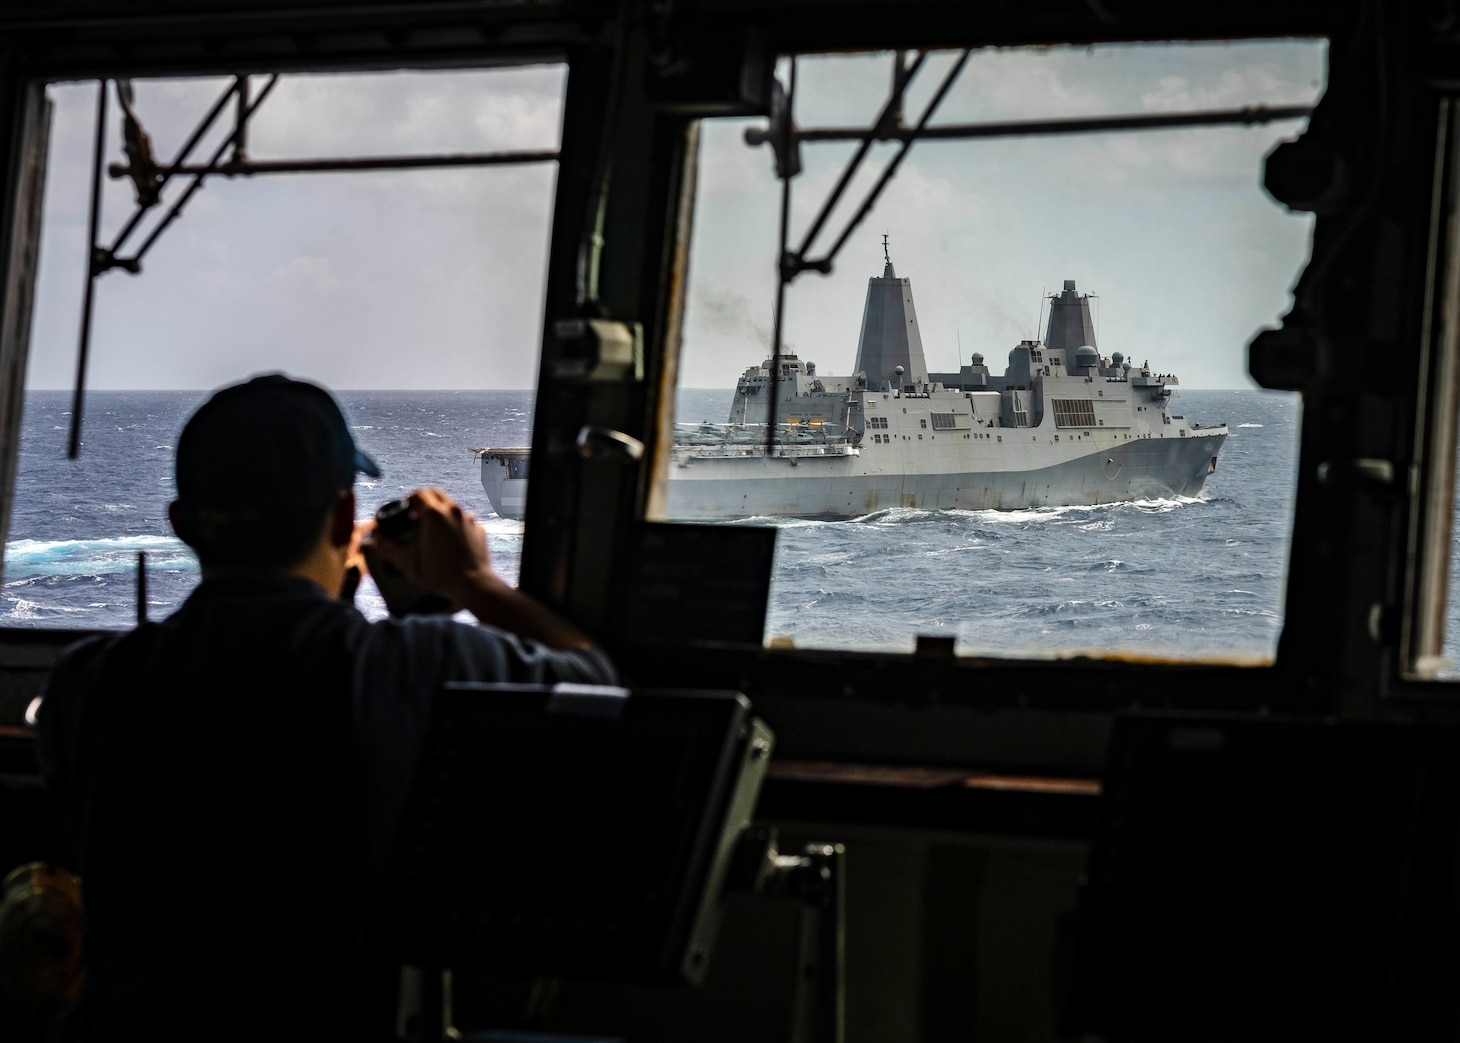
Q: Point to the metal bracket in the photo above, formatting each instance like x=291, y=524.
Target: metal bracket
x=816, y=878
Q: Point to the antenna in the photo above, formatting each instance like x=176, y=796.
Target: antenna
x=887, y=257
x=1040, y=321
x=141, y=587
x=960, y=348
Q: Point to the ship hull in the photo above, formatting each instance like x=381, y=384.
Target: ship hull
x=708, y=487
x=714, y=489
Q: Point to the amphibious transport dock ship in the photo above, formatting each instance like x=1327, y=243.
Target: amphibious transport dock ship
x=1062, y=426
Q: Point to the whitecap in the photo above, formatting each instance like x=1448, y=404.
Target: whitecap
x=784, y=523
x=1022, y=517
x=1164, y=505
x=92, y=558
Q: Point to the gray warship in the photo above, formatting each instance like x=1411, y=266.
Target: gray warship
x=1062, y=426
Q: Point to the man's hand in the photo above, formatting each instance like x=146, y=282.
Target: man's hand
x=355, y=565
x=448, y=556
x=448, y=553
x=353, y=554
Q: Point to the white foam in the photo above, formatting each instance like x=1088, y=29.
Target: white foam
x=23, y=609
x=27, y=559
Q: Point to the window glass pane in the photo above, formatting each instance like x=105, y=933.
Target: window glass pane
x=416, y=295
x=1447, y=666
x=1002, y=258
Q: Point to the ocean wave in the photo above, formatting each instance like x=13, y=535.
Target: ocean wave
x=761, y=520
x=823, y=563
x=1163, y=504
x=1249, y=425
x=27, y=559
x=890, y=514
x=1023, y=516
x=18, y=609
x=23, y=609
x=1259, y=613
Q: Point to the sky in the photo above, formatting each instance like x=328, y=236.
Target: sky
x=420, y=279
x=434, y=279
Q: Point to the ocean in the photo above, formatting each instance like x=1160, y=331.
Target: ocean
x=1191, y=578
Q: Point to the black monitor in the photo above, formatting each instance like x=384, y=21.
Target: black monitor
x=574, y=832
x=1262, y=879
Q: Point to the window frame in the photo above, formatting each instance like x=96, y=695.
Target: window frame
x=919, y=708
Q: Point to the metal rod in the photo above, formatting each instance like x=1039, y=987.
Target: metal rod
x=1021, y=128
x=314, y=166
x=894, y=104
x=84, y=347
x=783, y=274
x=141, y=587
x=197, y=182
x=240, y=124
x=182, y=154
x=891, y=169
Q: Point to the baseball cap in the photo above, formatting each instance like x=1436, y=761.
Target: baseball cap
x=269, y=444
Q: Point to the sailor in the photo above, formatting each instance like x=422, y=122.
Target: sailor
x=231, y=776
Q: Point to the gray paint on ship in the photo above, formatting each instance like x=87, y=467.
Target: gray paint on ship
x=1142, y=469
x=1070, y=325
x=890, y=336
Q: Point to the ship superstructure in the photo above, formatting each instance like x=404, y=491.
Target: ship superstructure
x=1062, y=425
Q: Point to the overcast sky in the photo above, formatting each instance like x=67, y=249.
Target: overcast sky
x=433, y=279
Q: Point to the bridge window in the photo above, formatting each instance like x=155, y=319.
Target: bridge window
x=1045, y=572
x=416, y=294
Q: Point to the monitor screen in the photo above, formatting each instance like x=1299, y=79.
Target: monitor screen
x=571, y=833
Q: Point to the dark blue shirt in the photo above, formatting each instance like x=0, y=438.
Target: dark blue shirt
x=233, y=777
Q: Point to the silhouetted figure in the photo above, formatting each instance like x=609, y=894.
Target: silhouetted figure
x=232, y=776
